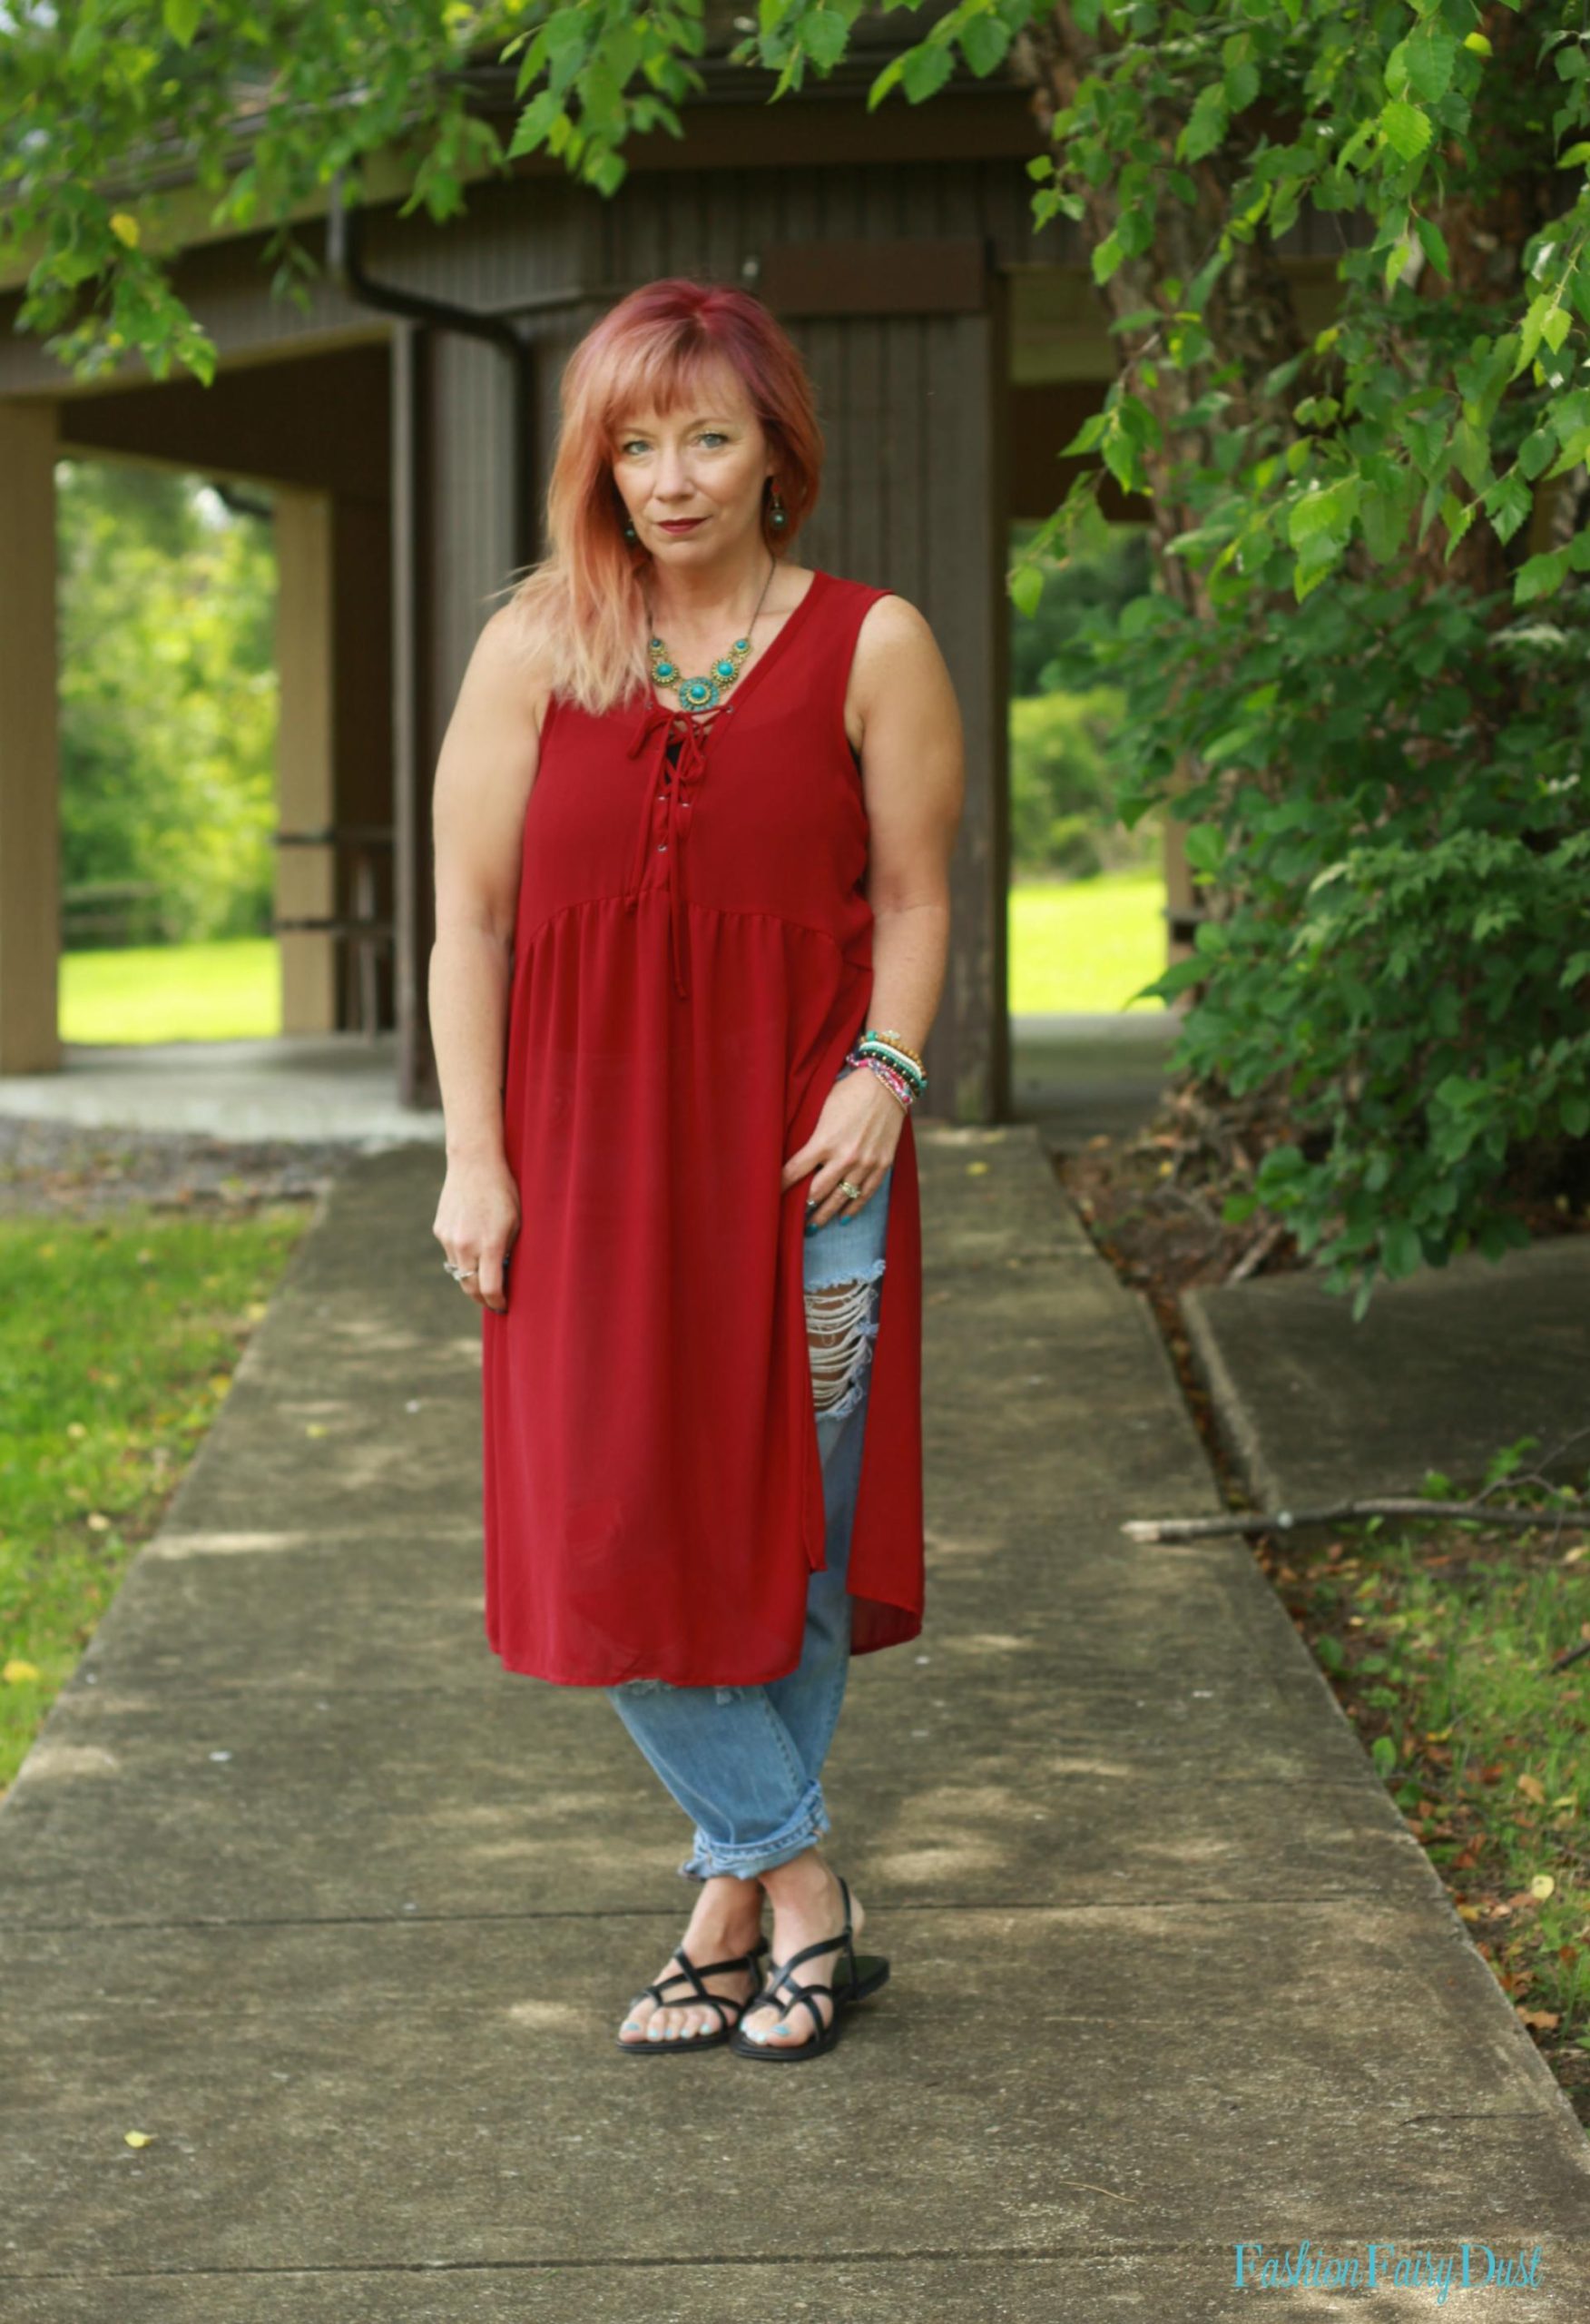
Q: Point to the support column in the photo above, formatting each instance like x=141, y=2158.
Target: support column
x=306, y=881
x=29, y=844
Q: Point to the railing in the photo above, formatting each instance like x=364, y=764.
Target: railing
x=366, y=936
x=116, y=913
x=1183, y=920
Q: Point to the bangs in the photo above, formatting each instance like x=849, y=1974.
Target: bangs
x=663, y=376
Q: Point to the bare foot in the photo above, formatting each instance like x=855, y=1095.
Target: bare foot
x=727, y=1920
x=807, y=1906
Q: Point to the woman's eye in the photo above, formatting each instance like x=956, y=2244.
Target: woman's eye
x=716, y=435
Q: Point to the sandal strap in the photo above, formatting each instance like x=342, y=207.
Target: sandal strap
x=689, y=1975
x=772, y=1999
x=828, y=1944
x=741, y=1960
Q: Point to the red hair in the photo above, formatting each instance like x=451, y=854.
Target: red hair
x=582, y=608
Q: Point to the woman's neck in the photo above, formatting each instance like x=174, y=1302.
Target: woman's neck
x=705, y=604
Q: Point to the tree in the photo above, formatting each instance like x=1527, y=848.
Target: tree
x=1408, y=1075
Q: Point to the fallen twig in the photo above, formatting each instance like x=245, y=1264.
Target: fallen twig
x=1282, y=1521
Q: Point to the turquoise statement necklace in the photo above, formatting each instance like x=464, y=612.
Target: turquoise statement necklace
x=705, y=693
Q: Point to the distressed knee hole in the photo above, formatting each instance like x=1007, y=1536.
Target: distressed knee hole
x=841, y=1324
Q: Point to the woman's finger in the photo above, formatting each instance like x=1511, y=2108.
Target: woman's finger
x=492, y=1282
x=488, y=1285
x=833, y=1198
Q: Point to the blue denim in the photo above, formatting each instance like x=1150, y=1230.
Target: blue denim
x=745, y=1763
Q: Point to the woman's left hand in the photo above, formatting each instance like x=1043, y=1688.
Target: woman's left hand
x=856, y=1136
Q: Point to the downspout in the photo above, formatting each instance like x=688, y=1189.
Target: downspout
x=343, y=263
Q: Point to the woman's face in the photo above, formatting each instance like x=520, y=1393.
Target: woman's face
x=708, y=460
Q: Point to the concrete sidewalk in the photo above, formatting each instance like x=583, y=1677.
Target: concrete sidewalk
x=298, y=1881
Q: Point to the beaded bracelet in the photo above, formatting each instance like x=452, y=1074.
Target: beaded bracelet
x=895, y=1083
x=887, y=1033
x=894, y=1052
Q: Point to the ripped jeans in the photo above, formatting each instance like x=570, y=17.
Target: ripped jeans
x=745, y=1762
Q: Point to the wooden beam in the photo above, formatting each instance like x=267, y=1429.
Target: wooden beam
x=30, y=873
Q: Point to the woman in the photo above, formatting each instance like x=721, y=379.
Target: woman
x=693, y=817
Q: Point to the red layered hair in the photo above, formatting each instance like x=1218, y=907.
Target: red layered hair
x=581, y=611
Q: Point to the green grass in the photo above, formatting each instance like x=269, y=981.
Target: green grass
x=1076, y=947
x=118, y=1340
x=1438, y=1644
x=1081, y=947
x=229, y=991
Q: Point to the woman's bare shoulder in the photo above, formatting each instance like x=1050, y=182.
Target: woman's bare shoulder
x=517, y=662
x=895, y=649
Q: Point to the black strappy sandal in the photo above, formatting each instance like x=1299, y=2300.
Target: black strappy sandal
x=864, y=1973
x=690, y=1975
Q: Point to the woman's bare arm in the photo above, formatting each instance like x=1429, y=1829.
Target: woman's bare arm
x=484, y=777
x=482, y=781
x=913, y=777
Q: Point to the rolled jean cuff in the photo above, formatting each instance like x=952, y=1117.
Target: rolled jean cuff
x=746, y=1859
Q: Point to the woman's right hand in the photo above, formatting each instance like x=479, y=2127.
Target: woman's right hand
x=476, y=1221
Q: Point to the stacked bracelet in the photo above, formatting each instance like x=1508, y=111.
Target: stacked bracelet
x=897, y=1064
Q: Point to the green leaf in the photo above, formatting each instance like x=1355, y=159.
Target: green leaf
x=1384, y=516
x=1508, y=503
x=1471, y=450
x=1026, y=587
x=1407, y=130
x=1093, y=428
x=1431, y=53
x=983, y=41
x=1529, y=338
x=825, y=34
x=1107, y=256
x=1400, y=1249
x=1121, y=460
x=1536, y=448
x=1540, y=576
x=927, y=69
x=1330, y=512
x=1206, y=125
x=1435, y=245
x=1240, y=85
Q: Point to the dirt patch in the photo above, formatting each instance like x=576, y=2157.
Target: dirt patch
x=65, y=1170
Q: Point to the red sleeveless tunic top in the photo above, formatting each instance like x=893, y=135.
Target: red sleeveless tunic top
x=693, y=958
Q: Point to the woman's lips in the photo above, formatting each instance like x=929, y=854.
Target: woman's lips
x=680, y=524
